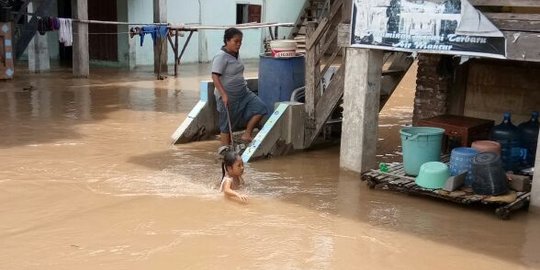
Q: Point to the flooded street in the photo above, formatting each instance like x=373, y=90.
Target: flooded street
x=88, y=180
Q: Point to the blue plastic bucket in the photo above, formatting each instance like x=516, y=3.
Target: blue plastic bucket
x=461, y=161
x=420, y=145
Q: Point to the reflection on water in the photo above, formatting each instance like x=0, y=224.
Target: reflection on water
x=89, y=181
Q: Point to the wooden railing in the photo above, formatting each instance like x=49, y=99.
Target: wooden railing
x=321, y=41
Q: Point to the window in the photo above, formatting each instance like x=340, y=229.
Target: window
x=248, y=13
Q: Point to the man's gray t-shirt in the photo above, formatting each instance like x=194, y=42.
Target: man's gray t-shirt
x=231, y=72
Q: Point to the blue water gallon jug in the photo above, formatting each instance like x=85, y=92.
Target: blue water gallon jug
x=461, y=162
x=529, y=137
x=508, y=135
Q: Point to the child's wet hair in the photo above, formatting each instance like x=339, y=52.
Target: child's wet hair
x=229, y=158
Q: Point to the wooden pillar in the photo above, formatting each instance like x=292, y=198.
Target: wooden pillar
x=361, y=96
x=38, y=49
x=535, y=193
x=160, y=47
x=346, y=12
x=312, y=73
x=81, y=58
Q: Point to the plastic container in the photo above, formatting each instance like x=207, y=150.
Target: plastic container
x=529, y=138
x=283, y=48
x=420, y=145
x=433, y=175
x=278, y=77
x=461, y=161
x=489, y=175
x=487, y=146
x=509, y=137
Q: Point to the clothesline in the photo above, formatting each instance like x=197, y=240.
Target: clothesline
x=222, y=27
x=180, y=27
x=93, y=21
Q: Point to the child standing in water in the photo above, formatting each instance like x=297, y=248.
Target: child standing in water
x=231, y=179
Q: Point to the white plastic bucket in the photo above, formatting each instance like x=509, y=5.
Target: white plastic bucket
x=283, y=48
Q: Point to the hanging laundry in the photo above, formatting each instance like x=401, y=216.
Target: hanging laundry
x=44, y=25
x=55, y=24
x=134, y=31
x=154, y=31
x=65, y=32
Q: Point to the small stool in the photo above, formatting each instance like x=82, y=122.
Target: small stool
x=465, y=129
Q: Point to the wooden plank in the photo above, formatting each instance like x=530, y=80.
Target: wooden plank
x=515, y=21
x=346, y=11
x=522, y=46
x=316, y=36
x=508, y=3
x=330, y=98
x=327, y=103
x=327, y=66
x=326, y=46
x=299, y=21
x=312, y=72
x=325, y=23
x=401, y=62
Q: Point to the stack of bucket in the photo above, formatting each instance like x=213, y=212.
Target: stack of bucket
x=283, y=48
x=421, y=155
x=485, y=163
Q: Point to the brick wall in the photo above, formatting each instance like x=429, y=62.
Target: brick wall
x=433, y=82
x=496, y=86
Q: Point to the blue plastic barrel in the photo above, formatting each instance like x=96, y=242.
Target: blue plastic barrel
x=278, y=77
x=461, y=161
x=420, y=145
x=509, y=137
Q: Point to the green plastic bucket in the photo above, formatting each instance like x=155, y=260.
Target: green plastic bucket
x=420, y=145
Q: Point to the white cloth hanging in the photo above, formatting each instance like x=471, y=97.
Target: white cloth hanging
x=65, y=32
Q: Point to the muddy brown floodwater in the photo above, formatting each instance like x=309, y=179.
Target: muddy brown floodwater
x=88, y=181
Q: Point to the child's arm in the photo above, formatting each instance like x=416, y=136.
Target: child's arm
x=229, y=192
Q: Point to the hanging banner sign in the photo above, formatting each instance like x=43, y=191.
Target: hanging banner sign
x=428, y=26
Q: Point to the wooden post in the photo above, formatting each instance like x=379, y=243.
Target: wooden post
x=346, y=11
x=176, y=53
x=160, y=47
x=312, y=73
x=535, y=193
x=81, y=58
x=362, y=89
